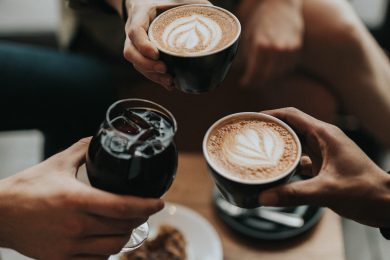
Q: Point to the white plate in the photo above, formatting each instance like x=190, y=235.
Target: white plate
x=203, y=242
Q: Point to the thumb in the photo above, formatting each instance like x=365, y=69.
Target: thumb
x=75, y=154
x=294, y=194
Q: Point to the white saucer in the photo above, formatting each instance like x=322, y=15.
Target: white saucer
x=203, y=242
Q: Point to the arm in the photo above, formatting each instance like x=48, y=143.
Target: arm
x=272, y=39
x=45, y=213
x=340, y=51
x=343, y=177
x=138, y=49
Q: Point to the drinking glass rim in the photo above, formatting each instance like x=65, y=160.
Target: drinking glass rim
x=251, y=182
x=150, y=35
x=168, y=113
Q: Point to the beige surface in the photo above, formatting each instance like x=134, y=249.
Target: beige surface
x=193, y=188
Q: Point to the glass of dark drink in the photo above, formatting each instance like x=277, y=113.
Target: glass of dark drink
x=134, y=153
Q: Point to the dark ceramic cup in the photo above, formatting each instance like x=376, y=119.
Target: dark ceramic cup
x=199, y=73
x=240, y=192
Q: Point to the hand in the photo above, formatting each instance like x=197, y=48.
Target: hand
x=138, y=48
x=344, y=178
x=272, y=39
x=46, y=213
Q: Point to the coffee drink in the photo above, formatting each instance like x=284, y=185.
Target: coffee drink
x=252, y=148
x=250, y=152
x=197, y=43
x=134, y=152
x=193, y=30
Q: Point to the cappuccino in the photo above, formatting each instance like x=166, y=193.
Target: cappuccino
x=192, y=30
x=252, y=147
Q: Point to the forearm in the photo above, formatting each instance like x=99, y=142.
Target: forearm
x=340, y=51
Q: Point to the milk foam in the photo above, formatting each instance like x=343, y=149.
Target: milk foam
x=194, y=30
x=196, y=34
x=253, y=147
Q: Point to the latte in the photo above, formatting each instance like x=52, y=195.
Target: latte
x=192, y=30
x=252, y=147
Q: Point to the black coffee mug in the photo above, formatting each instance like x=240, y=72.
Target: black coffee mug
x=201, y=73
x=240, y=192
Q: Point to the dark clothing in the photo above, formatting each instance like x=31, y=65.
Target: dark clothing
x=65, y=96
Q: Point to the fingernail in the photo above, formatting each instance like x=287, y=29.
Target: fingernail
x=160, y=68
x=268, y=198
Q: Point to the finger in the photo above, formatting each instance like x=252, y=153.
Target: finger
x=110, y=205
x=74, y=156
x=306, y=192
x=306, y=167
x=251, y=66
x=102, y=245
x=268, y=69
x=313, y=132
x=102, y=226
x=134, y=56
x=137, y=29
x=299, y=120
x=164, y=80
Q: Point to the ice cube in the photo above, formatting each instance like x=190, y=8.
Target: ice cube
x=124, y=125
x=148, y=134
x=137, y=119
x=118, y=144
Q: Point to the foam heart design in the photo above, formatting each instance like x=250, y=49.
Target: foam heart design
x=254, y=147
x=194, y=34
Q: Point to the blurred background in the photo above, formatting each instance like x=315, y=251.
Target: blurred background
x=37, y=22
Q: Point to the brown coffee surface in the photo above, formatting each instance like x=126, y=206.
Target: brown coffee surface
x=193, y=30
x=252, y=149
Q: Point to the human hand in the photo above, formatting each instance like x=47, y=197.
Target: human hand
x=46, y=213
x=272, y=39
x=343, y=177
x=138, y=49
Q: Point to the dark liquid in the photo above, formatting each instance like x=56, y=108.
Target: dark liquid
x=142, y=165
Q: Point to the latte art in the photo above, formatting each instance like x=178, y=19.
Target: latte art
x=194, y=33
x=254, y=148
x=192, y=30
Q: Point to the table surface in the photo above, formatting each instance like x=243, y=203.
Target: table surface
x=193, y=188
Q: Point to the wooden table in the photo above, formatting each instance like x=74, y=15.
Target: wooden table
x=193, y=188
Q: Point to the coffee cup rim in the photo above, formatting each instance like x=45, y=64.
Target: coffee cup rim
x=252, y=182
x=195, y=55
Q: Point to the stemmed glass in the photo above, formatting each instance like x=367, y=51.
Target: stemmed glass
x=134, y=153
